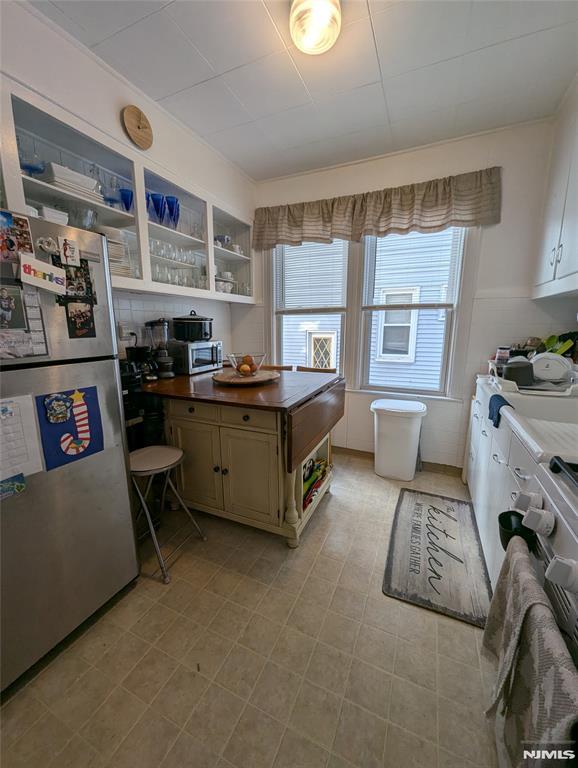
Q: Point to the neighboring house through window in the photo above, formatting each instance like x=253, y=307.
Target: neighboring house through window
x=397, y=328
x=321, y=351
x=310, y=301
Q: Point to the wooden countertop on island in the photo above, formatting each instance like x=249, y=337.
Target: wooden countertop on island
x=291, y=390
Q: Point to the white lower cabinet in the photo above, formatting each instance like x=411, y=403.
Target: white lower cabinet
x=498, y=502
x=228, y=469
x=249, y=470
x=498, y=466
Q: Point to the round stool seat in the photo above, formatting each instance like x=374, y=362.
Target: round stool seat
x=154, y=459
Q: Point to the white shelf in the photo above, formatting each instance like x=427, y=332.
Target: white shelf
x=166, y=289
x=173, y=236
x=225, y=253
x=42, y=192
x=174, y=263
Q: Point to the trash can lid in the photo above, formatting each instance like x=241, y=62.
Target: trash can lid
x=399, y=407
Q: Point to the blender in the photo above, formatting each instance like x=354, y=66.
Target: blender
x=158, y=331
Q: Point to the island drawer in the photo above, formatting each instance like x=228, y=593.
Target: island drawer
x=187, y=409
x=249, y=417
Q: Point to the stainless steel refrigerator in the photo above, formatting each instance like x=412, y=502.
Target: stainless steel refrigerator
x=67, y=536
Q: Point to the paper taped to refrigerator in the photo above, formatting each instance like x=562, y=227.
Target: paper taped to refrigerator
x=22, y=331
x=21, y=452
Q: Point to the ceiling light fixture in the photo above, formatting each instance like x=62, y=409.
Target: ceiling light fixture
x=315, y=24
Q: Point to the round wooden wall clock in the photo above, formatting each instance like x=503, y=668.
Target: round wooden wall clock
x=137, y=126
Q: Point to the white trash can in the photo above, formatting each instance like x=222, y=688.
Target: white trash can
x=397, y=425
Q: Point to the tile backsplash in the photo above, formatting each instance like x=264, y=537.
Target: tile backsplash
x=134, y=309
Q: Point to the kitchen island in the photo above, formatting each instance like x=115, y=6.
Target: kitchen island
x=248, y=449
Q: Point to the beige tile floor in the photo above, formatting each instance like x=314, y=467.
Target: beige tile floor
x=257, y=656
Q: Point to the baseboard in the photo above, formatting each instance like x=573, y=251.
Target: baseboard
x=427, y=466
x=352, y=452
x=441, y=469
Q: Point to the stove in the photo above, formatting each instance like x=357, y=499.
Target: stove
x=552, y=512
x=567, y=469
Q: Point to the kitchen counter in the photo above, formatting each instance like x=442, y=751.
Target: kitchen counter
x=248, y=449
x=545, y=439
x=289, y=391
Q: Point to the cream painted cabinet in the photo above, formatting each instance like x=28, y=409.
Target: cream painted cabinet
x=199, y=476
x=226, y=469
x=249, y=470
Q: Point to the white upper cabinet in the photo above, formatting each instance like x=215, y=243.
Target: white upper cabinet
x=557, y=267
x=162, y=236
x=567, y=255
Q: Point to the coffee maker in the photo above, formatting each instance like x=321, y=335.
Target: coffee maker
x=142, y=362
x=158, y=331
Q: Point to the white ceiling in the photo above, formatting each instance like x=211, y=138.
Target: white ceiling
x=403, y=72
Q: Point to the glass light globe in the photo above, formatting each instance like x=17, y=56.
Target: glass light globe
x=315, y=24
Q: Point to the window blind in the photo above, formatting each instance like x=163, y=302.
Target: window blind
x=311, y=276
x=430, y=261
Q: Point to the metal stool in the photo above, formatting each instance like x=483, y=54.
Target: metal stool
x=151, y=461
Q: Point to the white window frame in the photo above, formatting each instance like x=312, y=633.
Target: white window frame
x=409, y=357
x=278, y=314
x=354, y=328
x=311, y=336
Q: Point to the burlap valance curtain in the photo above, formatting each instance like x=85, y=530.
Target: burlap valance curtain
x=468, y=200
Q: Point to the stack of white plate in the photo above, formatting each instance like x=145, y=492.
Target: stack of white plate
x=118, y=252
x=52, y=214
x=72, y=181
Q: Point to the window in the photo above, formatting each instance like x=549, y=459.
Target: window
x=310, y=301
x=400, y=314
x=321, y=351
x=408, y=330
x=397, y=328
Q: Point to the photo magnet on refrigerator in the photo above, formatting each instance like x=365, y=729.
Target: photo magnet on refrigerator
x=70, y=425
x=15, y=236
x=80, y=319
x=12, y=486
x=69, y=252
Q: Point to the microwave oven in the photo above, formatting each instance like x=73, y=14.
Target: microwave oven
x=190, y=357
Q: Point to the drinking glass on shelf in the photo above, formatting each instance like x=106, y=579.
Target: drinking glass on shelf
x=110, y=192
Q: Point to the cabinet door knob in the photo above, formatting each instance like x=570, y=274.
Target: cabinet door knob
x=225, y=471
x=191, y=409
x=216, y=468
x=520, y=475
x=246, y=417
x=496, y=458
x=484, y=433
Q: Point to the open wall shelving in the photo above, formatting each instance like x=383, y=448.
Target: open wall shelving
x=163, y=237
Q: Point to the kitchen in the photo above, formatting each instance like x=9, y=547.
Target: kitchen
x=223, y=156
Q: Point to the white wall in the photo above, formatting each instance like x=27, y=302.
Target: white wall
x=134, y=310
x=502, y=311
